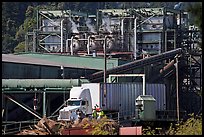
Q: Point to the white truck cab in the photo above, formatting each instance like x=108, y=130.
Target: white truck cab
x=80, y=100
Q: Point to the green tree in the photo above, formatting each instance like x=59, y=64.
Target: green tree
x=193, y=126
x=20, y=47
x=196, y=13
x=12, y=17
x=28, y=25
x=8, y=43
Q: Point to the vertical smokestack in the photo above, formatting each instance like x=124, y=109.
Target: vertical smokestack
x=74, y=26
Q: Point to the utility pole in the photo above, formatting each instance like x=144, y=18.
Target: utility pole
x=105, y=67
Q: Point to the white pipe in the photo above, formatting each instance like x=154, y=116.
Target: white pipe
x=122, y=28
x=88, y=45
x=62, y=35
x=71, y=46
x=144, y=88
x=122, y=31
x=135, y=39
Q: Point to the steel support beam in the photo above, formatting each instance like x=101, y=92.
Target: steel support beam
x=23, y=106
x=177, y=89
x=44, y=104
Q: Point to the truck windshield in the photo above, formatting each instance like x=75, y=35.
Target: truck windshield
x=74, y=103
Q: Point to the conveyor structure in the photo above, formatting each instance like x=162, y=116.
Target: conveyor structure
x=24, y=93
x=34, y=85
x=136, y=64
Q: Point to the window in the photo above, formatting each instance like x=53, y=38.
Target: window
x=83, y=103
x=74, y=103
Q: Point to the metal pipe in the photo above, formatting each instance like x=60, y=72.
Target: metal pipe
x=88, y=45
x=56, y=89
x=62, y=35
x=34, y=41
x=37, y=19
x=26, y=43
x=174, y=38
x=44, y=101
x=177, y=89
x=105, y=67
x=169, y=65
x=3, y=105
x=122, y=31
x=122, y=28
x=144, y=87
x=135, y=39
x=71, y=46
x=13, y=89
x=165, y=49
x=160, y=46
x=67, y=45
x=135, y=64
x=22, y=84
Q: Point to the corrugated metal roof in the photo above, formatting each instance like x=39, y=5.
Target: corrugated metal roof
x=62, y=60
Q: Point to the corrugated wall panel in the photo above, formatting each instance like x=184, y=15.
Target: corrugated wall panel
x=126, y=93
x=121, y=96
x=158, y=92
